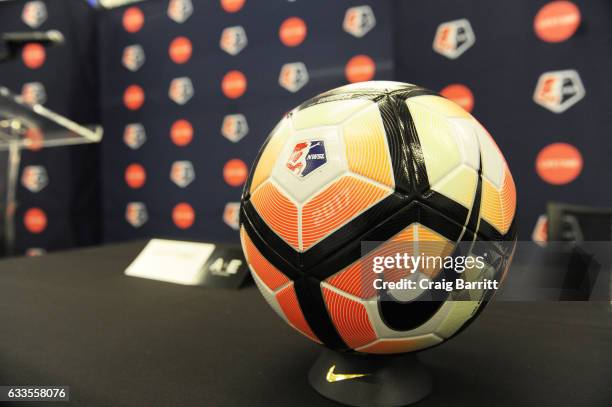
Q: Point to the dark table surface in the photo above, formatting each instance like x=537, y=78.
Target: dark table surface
x=74, y=319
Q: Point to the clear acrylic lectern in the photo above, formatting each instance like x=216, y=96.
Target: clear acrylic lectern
x=24, y=126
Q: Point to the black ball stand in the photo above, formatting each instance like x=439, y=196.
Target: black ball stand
x=370, y=380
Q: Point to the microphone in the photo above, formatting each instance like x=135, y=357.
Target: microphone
x=12, y=42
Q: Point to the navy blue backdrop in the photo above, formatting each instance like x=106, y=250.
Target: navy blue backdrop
x=188, y=90
x=315, y=60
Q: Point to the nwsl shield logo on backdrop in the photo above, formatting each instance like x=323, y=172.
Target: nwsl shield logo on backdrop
x=233, y=40
x=181, y=90
x=358, y=21
x=34, y=178
x=136, y=214
x=33, y=93
x=453, y=38
x=134, y=135
x=557, y=91
x=180, y=10
x=306, y=157
x=34, y=13
x=133, y=57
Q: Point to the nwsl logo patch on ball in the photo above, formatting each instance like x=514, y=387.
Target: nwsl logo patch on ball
x=306, y=157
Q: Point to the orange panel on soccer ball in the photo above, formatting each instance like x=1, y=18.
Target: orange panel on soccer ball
x=287, y=299
x=434, y=246
x=335, y=206
x=358, y=278
x=416, y=240
x=266, y=272
x=350, y=319
x=499, y=206
x=270, y=153
x=278, y=212
x=366, y=147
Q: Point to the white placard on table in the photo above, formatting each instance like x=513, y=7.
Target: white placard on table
x=172, y=261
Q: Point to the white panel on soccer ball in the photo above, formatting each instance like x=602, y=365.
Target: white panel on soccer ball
x=279, y=136
x=451, y=316
x=492, y=160
x=268, y=295
x=367, y=147
x=380, y=86
x=439, y=145
x=458, y=314
x=383, y=331
x=404, y=295
x=319, y=148
x=440, y=105
x=459, y=185
x=328, y=113
x=401, y=345
x=467, y=141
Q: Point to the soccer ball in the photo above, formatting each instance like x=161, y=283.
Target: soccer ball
x=382, y=162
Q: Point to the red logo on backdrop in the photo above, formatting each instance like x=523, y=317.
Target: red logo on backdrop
x=181, y=90
x=133, y=19
x=235, y=172
x=33, y=55
x=559, y=163
x=183, y=215
x=233, y=40
x=181, y=132
x=360, y=68
x=33, y=93
x=180, y=50
x=234, y=84
x=35, y=220
x=557, y=21
x=180, y=10
x=34, y=13
x=232, y=6
x=460, y=94
x=231, y=215
x=34, y=178
x=293, y=76
x=133, y=97
x=135, y=176
x=134, y=135
x=136, y=214
x=292, y=31
x=34, y=139
x=133, y=57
